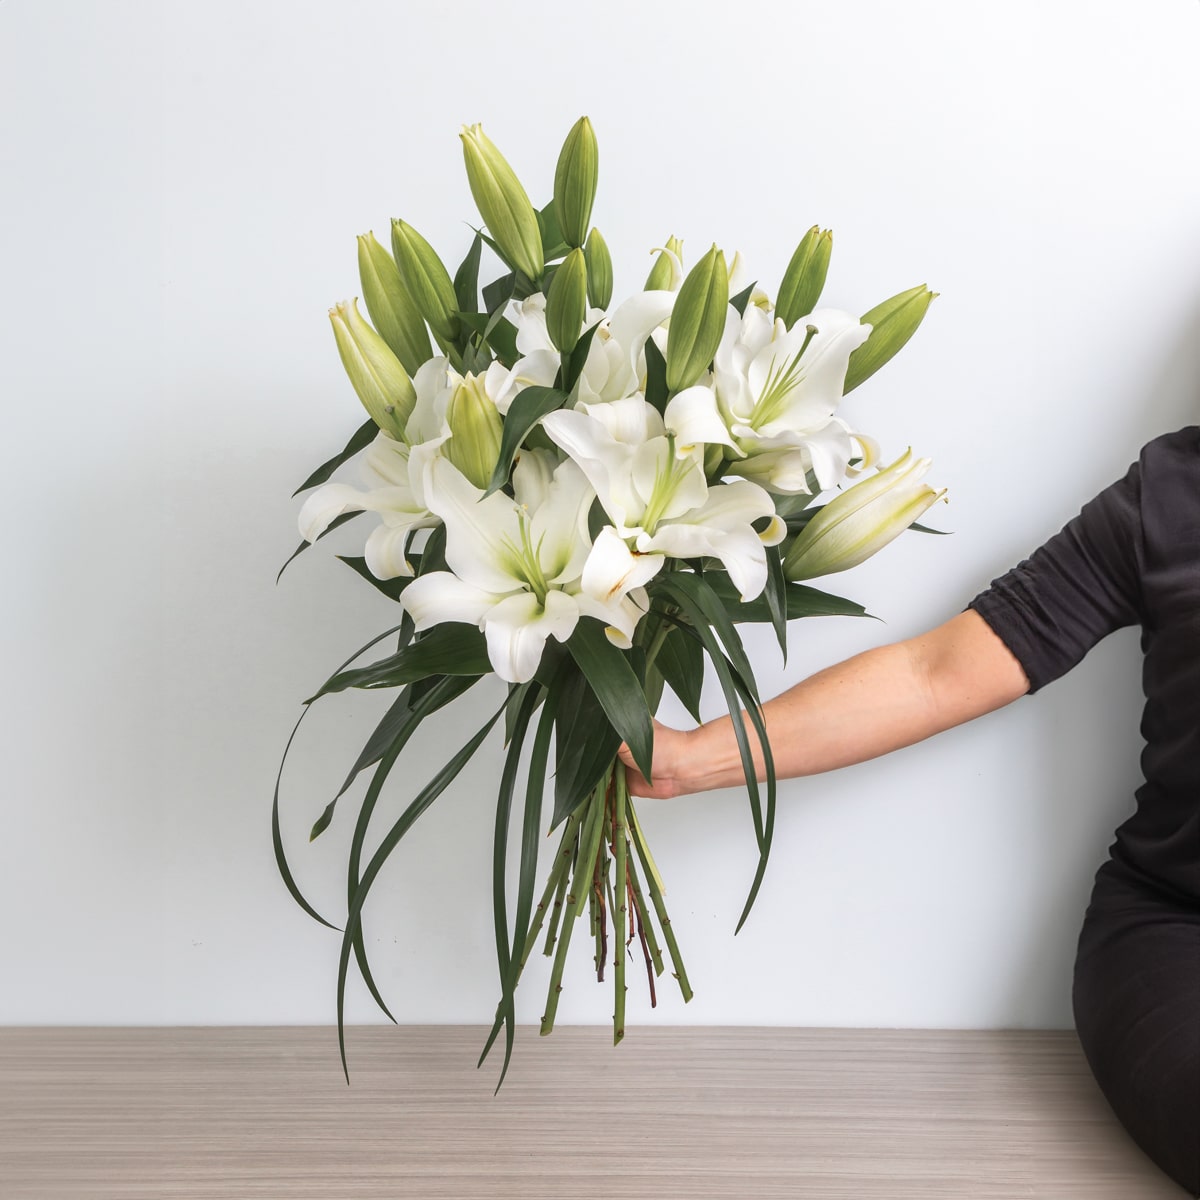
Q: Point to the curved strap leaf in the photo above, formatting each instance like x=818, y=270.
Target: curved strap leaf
x=276, y=834
x=617, y=688
x=360, y=439
x=336, y=523
x=527, y=409
x=448, y=649
x=420, y=803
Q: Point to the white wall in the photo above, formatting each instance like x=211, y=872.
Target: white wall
x=183, y=186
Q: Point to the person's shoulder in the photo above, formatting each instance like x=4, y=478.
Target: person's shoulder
x=1183, y=445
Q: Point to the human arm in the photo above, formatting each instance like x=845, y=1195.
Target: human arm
x=870, y=704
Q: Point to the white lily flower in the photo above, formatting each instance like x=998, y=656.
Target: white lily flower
x=722, y=527
x=778, y=390
x=388, y=472
x=513, y=563
x=658, y=499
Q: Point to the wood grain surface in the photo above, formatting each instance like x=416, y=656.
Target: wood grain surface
x=672, y=1113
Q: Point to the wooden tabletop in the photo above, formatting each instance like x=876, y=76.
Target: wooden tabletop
x=672, y=1113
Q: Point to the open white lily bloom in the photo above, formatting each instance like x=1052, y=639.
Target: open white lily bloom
x=862, y=520
x=659, y=501
x=513, y=562
x=389, y=473
x=778, y=390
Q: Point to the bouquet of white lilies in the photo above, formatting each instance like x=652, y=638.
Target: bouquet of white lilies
x=586, y=500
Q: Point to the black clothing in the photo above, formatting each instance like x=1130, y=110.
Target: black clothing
x=1132, y=556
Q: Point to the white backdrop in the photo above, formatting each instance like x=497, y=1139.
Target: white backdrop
x=183, y=187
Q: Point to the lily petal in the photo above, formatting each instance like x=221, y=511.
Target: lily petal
x=325, y=505
x=517, y=629
x=442, y=596
x=612, y=569
x=692, y=416
x=620, y=615
x=479, y=529
x=559, y=528
x=636, y=318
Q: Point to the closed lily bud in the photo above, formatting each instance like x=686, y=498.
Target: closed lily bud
x=575, y=182
x=599, y=270
x=566, y=303
x=892, y=323
x=861, y=520
x=390, y=306
x=426, y=280
x=697, y=321
x=503, y=203
x=667, y=271
x=804, y=278
x=377, y=374
x=475, y=431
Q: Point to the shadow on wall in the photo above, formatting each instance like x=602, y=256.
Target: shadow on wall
x=1088, y=733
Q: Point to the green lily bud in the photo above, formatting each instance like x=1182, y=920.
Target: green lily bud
x=426, y=280
x=892, y=323
x=566, y=302
x=804, y=278
x=378, y=377
x=502, y=203
x=475, y=431
x=599, y=270
x=697, y=321
x=667, y=270
x=861, y=520
x=390, y=306
x=575, y=182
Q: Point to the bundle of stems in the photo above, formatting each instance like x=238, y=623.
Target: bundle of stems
x=597, y=865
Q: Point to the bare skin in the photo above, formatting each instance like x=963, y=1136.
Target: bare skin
x=866, y=706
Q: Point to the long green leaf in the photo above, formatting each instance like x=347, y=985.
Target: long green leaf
x=420, y=803
x=499, y=334
x=725, y=670
x=336, y=523
x=656, y=376
x=802, y=601
x=452, y=648
x=508, y=779
x=740, y=301
x=700, y=596
x=776, y=596
x=389, y=728
x=418, y=710
x=577, y=359
x=681, y=661
x=391, y=588
x=466, y=278
x=527, y=409
x=360, y=439
x=498, y=293
x=276, y=833
x=754, y=712
x=617, y=688
x=585, y=743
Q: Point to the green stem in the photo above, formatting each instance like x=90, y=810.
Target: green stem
x=556, y=914
x=644, y=923
x=660, y=636
x=581, y=885
x=660, y=907
x=555, y=886
x=619, y=915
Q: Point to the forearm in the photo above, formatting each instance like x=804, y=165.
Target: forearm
x=871, y=704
